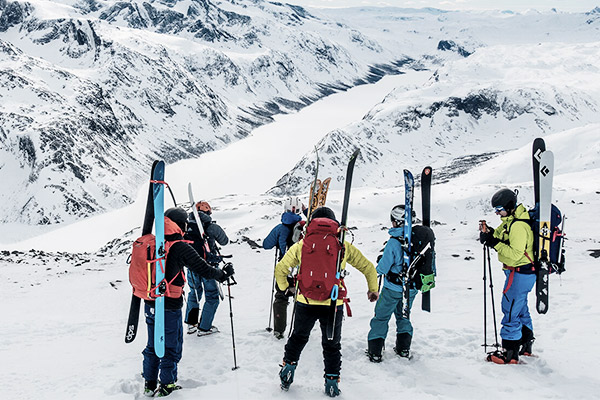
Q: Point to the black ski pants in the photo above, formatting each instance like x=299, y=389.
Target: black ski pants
x=306, y=316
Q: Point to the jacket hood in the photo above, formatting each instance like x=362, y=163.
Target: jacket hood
x=171, y=228
x=520, y=213
x=289, y=218
x=396, y=232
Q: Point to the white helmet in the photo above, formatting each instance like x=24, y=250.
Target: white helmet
x=293, y=204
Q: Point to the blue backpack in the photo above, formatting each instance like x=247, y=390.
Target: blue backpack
x=557, y=252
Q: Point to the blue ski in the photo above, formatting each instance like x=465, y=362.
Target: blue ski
x=409, y=186
x=159, y=231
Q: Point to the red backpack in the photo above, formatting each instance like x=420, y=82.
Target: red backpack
x=142, y=266
x=318, y=269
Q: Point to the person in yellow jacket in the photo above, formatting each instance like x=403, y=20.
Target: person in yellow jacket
x=513, y=240
x=311, y=307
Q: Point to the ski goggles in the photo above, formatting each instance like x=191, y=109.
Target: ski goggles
x=499, y=209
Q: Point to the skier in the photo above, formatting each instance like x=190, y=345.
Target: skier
x=214, y=234
x=283, y=236
x=180, y=254
x=309, y=310
x=391, y=296
x=514, y=243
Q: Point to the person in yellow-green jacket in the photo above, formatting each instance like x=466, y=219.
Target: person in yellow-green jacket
x=316, y=255
x=513, y=240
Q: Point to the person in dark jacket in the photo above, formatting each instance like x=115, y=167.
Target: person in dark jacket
x=180, y=254
x=213, y=234
x=391, y=297
x=282, y=238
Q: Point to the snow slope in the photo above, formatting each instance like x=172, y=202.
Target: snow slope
x=65, y=313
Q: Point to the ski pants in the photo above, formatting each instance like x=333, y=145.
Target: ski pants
x=280, y=305
x=390, y=302
x=306, y=316
x=211, y=300
x=514, y=305
x=167, y=365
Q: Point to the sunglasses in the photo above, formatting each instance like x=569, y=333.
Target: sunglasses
x=499, y=209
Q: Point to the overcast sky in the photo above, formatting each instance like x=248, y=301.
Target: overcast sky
x=514, y=5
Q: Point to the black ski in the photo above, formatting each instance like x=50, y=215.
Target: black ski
x=539, y=146
x=426, y=207
x=343, y=221
x=134, y=308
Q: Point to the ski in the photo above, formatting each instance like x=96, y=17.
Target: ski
x=159, y=232
x=322, y=193
x=334, y=295
x=409, y=185
x=312, y=199
x=539, y=146
x=426, y=209
x=545, y=204
x=134, y=308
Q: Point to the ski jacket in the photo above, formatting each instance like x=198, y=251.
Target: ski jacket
x=182, y=254
x=280, y=235
x=516, y=240
x=393, y=253
x=352, y=255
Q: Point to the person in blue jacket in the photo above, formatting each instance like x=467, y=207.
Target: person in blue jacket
x=282, y=237
x=391, y=296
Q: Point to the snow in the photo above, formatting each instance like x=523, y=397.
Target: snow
x=64, y=314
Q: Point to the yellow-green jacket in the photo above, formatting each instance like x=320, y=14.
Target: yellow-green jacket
x=516, y=239
x=352, y=255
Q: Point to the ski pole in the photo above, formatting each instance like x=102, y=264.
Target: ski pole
x=269, y=329
x=231, y=281
x=496, y=344
x=484, y=303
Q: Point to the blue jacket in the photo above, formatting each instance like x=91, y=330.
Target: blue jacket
x=281, y=233
x=392, y=257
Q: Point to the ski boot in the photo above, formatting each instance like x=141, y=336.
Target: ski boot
x=509, y=355
x=403, y=341
x=287, y=374
x=205, y=332
x=166, y=389
x=527, y=340
x=150, y=388
x=375, y=350
x=331, y=385
x=191, y=329
x=278, y=335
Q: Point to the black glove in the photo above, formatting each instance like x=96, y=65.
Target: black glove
x=227, y=272
x=290, y=291
x=488, y=239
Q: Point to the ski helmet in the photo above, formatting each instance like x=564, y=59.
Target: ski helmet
x=323, y=212
x=398, y=212
x=293, y=204
x=177, y=215
x=505, y=198
x=204, y=207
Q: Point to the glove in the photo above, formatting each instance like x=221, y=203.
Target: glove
x=290, y=291
x=227, y=272
x=488, y=239
x=427, y=282
x=372, y=296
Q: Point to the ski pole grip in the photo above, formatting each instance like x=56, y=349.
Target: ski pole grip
x=334, y=293
x=483, y=226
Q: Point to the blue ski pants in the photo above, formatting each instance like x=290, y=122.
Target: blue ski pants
x=166, y=366
x=211, y=300
x=390, y=302
x=514, y=305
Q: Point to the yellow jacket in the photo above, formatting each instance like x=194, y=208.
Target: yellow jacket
x=352, y=255
x=516, y=237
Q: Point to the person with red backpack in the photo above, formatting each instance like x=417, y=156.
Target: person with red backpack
x=317, y=256
x=213, y=234
x=180, y=254
x=514, y=243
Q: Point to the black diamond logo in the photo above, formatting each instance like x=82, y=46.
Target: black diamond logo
x=545, y=171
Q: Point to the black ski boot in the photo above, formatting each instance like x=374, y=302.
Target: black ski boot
x=331, y=385
x=403, y=341
x=375, y=350
x=150, y=388
x=526, y=342
x=287, y=374
x=510, y=354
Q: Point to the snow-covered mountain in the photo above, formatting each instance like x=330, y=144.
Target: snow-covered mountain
x=517, y=85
